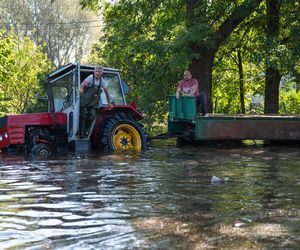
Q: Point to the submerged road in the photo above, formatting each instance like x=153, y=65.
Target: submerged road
x=167, y=198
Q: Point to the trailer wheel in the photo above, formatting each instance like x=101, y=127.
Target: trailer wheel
x=41, y=150
x=122, y=132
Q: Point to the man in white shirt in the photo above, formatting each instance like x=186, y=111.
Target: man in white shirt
x=90, y=91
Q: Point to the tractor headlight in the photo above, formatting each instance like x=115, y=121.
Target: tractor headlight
x=1, y=137
x=5, y=135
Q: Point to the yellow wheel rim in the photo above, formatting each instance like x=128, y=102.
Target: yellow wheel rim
x=126, y=137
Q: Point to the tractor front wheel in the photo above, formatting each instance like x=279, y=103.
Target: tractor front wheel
x=122, y=132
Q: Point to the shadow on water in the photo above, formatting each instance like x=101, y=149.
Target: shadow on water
x=161, y=199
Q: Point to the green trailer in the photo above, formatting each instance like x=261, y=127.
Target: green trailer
x=185, y=123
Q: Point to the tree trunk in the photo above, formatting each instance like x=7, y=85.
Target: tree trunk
x=241, y=80
x=273, y=76
x=202, y=71
x=272, y=91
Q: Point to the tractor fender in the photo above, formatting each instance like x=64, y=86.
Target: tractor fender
x=128, y=109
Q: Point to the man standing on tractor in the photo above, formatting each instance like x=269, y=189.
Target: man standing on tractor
x=188, y=86
x=90, y=91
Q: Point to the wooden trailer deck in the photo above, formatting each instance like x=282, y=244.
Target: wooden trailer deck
x=183, y=118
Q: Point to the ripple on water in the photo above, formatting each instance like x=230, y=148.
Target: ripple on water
x=8, y=181
x=73, y=217
x=49, y=188
x=59, y=196
x=6, y=197
x=12, y=225
x=60, y=205
x=42, y=214
x=51, y=222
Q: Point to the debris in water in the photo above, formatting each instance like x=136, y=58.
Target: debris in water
x=239, y=224
x=217, y=181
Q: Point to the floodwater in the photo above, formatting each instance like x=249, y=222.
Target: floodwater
x=162, y=199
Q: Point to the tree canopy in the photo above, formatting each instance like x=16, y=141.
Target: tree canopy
x=21, y=63
x=225, y=44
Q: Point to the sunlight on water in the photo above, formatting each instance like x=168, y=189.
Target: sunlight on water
x=167, y=198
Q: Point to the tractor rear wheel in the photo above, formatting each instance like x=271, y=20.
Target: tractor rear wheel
x=41, y=150
x=122, y=132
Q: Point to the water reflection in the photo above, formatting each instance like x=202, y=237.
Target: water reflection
x=163, y=199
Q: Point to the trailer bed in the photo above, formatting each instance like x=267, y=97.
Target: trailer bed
x=184, y=120
x=243, y=127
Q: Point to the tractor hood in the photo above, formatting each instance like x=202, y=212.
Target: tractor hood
x=13, y=127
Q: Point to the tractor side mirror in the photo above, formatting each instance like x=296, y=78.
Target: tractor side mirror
x=125, y=87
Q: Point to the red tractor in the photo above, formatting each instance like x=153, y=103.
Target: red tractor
x=40, y=134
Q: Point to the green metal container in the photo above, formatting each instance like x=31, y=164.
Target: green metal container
x=182, y=108
x=172, y=106
x=189, y=107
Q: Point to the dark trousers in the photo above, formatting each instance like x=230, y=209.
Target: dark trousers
x=201, y=103
x=87, y=116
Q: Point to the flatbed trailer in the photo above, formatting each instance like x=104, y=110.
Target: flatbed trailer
x=185, y=122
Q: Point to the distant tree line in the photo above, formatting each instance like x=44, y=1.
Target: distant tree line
x=61, y=28
x=37, y=36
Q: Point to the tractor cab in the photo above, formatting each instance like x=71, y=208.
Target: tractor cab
x=63, y=96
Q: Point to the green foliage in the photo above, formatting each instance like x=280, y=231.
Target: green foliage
x=141, y=39
x=289, y=97
x=258, y=52
x=90, y=4
x=152, y=41
x=290, y=102
x=40, y=103
x=226, y=72
x=20, y=64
